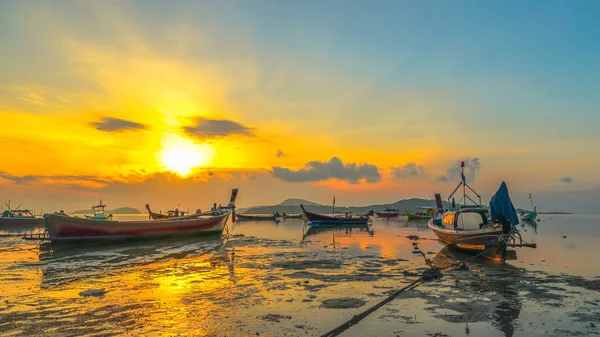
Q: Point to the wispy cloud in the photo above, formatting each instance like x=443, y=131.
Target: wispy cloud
x=333, y=169
x=566, y=180
x=215, y=128
x=472, y=166
x=410, y=170
x=110, y=124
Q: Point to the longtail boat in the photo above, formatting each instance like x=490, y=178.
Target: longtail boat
x=388, y=213
x=67, y=229
x=16, y=218
x=63, y=228
x=170, y=214
x=320, y=220
x=257, y=217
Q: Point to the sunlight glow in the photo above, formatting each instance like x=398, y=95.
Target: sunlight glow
x=180, y=155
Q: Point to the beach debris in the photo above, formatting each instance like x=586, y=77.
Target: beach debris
x=467, y=330
x=274, y=317
x=93, y=292
x=413, y=237
x=343, y=303
x=564, y=236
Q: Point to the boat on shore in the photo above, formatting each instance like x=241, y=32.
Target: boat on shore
x=425, y=213
x=320, y=220
x=388, y=213
x=64, y=228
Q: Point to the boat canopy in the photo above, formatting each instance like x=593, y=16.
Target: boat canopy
x=502, y=208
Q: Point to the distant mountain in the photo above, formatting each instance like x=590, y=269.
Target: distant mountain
x=292, y=206
x=122, y=210
x=297, y=202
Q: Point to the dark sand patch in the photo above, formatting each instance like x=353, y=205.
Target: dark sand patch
x=343, y=303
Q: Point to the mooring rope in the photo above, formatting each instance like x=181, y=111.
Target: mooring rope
x=432, y=273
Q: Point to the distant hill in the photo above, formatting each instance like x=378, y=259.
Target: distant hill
x=122, y=210
x=297, y=202
x=289, y=206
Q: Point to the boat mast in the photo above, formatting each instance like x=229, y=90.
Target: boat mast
x=463, y=183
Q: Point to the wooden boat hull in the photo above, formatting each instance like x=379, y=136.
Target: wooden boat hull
x=242, y=217
x=463, y=239
x=337, y=223
x=63, y=228
x=10, y=223
x=294, y=216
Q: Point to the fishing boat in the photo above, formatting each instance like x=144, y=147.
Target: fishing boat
x=529, y=215
x=388, y=213
x=291, y=216
x=488, y=231
x=98, y=213
x=258, y=217
x=67, y=229
x=425, y=213
x=15, y=218
x=170, y=214
x=320, y=220
x=62, y=228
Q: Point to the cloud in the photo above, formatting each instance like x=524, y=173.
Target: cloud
x=280, y=154
x=214, y=128
x=410, y=170
x=334, y=168
x=116, y=124
x=566, y=180
x=17, y=179
x=472, y=166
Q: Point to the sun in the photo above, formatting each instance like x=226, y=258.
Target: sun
x=180, y=155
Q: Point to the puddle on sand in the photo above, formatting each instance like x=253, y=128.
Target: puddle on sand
x=272, y=281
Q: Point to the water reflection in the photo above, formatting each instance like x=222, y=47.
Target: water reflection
x=497, y=282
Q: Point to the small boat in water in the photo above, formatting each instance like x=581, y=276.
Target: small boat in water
x=529, y=215
x=291, y=216
x=320, y=220
x=98, y=213
x=388, y=213
x=170, y=214
x=258, y=217
x=15, y=218
x=425, y=213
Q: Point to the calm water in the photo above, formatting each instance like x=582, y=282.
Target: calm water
x=269, y=279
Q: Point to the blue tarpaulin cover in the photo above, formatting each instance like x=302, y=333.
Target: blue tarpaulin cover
x=501, y=208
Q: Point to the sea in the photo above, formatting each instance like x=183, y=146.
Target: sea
x=279, y=279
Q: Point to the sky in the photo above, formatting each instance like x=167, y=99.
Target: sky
x=169, y=103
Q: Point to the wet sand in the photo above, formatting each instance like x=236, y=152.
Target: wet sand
x=270, y=280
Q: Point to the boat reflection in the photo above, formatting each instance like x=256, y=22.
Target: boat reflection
x=495, y=280
x=93, y=260
x=345, y=230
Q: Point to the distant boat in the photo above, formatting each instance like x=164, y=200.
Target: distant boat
x=170, y=214
x=258, y=217
x=98, y=213
x=426, y=213
x=529, y=215
x=388, y=213
x=291, y=216
x=320, y=220
x=15, y=218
